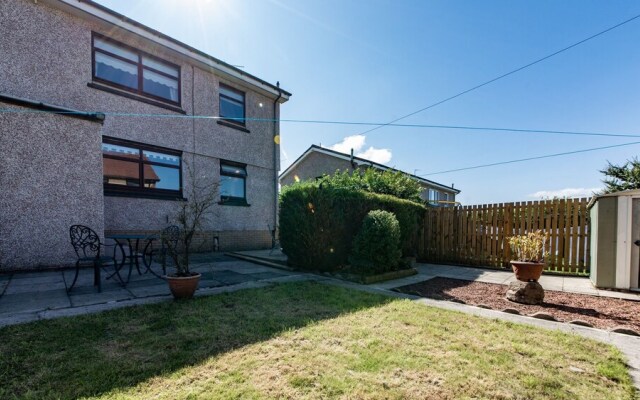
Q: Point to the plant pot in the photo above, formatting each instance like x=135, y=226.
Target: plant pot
x=527, y=271
x=183, y=287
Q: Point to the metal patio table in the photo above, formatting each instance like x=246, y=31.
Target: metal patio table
x=133, y=241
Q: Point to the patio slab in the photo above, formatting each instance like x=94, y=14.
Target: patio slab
x=231, y=278
x=106, y=296
x=33, y=301
x=265, y=275
x=158, y=289
x=28, y=296
x=209, y=283
x=16, y=288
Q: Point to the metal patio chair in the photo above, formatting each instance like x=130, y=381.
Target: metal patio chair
x=86, y=243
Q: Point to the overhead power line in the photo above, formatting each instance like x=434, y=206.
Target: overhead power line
x=329, y=122
x=566, y=153
x=504, y=75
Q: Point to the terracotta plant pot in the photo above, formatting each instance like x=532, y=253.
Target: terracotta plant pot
x=183, y=287
x=527, y=271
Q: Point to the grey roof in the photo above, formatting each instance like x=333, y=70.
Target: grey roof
x=361, y=161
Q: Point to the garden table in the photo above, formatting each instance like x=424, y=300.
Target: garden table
x=133, y=241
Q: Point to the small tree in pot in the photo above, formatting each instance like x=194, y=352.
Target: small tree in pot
x=192, y=214
x=529, y=250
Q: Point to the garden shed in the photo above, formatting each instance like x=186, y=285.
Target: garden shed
x=615, y=240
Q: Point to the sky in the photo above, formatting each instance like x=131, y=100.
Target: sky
x=377, y=60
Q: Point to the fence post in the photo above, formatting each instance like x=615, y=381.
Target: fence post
x=508, y=232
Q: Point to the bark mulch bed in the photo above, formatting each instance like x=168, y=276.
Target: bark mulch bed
x=601, y=312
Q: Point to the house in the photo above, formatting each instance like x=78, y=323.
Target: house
x=96, y=127
x=317, y=161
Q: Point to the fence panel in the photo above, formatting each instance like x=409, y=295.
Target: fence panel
x=478, y=234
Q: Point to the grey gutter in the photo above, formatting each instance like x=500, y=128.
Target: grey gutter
x=50, y=108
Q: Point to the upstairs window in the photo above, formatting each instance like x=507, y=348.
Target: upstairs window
x=233, y=183
x=127, y=68
x=232, y=104
x=130, y=168
x=433, y=196
x=444, y=197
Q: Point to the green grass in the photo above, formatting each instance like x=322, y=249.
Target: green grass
x=301, y=340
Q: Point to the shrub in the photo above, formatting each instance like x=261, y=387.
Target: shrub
x=376, y=247
x=394, y=183
x=318, y=224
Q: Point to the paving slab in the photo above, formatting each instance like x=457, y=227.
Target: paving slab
x=33, y=301
x=34, y=279
x=88, y=288
x=619, y=295
x=3, y=286
x=15, y=288
x=199, y=268
x=148, y=280
x=236, y=265
x=85, y=278
x=210, y=283
x=266, y=275
x=494, y=277
x=78, y=300
x=40, y=275
x=148, y=291
x=232, y=278
x=207, y=276
x=254, y=270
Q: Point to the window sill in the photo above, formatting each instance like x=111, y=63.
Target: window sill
x=132, y=96
x=233, y=125
x=234, y=203
x=139, y=195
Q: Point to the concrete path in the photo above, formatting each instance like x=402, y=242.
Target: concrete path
x=571, y=284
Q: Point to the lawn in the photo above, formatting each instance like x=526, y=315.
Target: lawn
x=301, y=340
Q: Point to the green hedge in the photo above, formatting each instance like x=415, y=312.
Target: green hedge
x=318, y=225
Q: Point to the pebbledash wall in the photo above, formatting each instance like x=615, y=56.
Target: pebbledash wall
x=46, y=55
x=38, y=203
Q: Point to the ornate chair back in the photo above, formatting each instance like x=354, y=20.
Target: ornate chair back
x=85, y=241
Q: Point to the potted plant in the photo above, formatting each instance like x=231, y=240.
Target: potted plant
x=529, y=252
x=192, y=213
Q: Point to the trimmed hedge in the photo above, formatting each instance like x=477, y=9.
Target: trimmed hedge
x=376, y=247
x=318, y=225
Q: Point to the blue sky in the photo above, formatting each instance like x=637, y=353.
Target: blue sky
x=377, y=60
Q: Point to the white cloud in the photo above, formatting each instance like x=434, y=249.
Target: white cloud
x=381, y=156
x=566, y=192
x=357, y=143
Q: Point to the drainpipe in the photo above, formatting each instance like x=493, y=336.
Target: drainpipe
x=275, y=161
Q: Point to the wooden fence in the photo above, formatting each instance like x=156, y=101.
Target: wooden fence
x=477, y=235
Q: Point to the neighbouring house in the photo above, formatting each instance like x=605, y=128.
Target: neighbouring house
x=95, y=129
x=317, y=161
